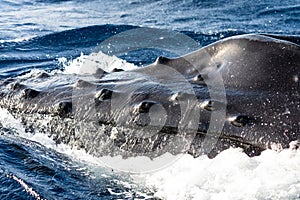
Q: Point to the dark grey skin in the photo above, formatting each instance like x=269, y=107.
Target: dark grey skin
x=260, y=75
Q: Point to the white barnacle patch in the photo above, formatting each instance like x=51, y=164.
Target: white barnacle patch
x=203, y=104
x=236, y=121
x=207, y=105
x=200, y=78
x=174, y=97
x=181, y=96
x=232, y=118
x=240, y=120
x=177, y=96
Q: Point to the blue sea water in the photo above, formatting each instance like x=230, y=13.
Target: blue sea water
x=35, y=34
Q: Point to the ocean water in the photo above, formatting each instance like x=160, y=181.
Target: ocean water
x=58, y=34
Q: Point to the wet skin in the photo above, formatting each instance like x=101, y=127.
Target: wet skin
x=242, y=91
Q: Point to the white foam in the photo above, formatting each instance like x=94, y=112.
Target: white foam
x=21, y=39
x=231, y=175
x=88, y=64
x=139, y=164
x=9, y=122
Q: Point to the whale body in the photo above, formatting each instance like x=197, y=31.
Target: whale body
x=242, y=91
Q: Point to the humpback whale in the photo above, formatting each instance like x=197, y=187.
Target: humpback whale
x=242, y=91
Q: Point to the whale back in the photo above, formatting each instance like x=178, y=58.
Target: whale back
x=246, y=62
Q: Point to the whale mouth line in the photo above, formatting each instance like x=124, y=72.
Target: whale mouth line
x=236, y=140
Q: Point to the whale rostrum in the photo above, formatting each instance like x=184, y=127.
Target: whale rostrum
x=173, y=105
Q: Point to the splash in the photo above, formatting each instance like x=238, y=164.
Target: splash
x=94, y=61
x=230, y=175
